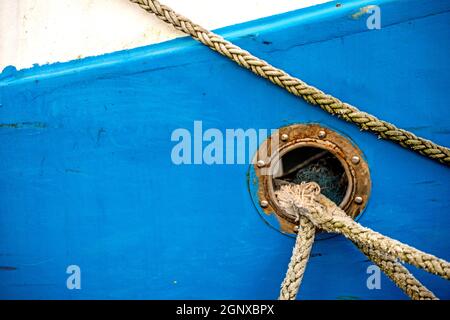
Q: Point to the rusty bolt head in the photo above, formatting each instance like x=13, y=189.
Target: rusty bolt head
x=284, y=137
x=296, y=229
x=358, y=200
x=355, y=159
x=264, y=203
x=261, y=163
x=322, y=134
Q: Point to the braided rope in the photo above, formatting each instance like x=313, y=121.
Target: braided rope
x=382, y=250
x=390, y=266
x=299, y=259
x=296, y=86
x=399, y=275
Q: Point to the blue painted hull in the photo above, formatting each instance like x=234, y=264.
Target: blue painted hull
x=87, y=177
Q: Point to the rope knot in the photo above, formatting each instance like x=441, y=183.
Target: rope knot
x=301, y=200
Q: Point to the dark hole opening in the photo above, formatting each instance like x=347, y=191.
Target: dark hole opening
x=313, y=164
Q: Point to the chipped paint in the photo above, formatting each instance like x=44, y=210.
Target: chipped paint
x=24, y=125
x=7, y=268
x=362, y=11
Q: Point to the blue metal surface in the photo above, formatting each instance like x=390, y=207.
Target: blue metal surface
x=87, y=178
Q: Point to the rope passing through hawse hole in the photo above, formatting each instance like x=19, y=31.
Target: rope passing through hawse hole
x=296, y=86
x=313, y=211
x=304, y=201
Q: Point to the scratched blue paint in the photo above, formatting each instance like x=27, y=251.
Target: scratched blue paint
x=87, y=179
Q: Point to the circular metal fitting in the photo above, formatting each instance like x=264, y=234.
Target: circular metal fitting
x=321, y=140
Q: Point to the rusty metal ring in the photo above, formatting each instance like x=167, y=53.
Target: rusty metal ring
x=296, y=136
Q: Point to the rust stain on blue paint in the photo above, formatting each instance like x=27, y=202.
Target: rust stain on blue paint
x=24, y=125
x=7, y=268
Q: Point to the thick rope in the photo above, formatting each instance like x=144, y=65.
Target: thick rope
x=299, y=259
x=302, y=248
x=324, y=214
x=300, y=255
x=296, y=86
x=390, y=266
x=399, y=275
x=382, y=250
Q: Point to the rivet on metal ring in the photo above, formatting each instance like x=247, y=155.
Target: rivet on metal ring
x=322, y=134
x=355, y=159
x=261, y=163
